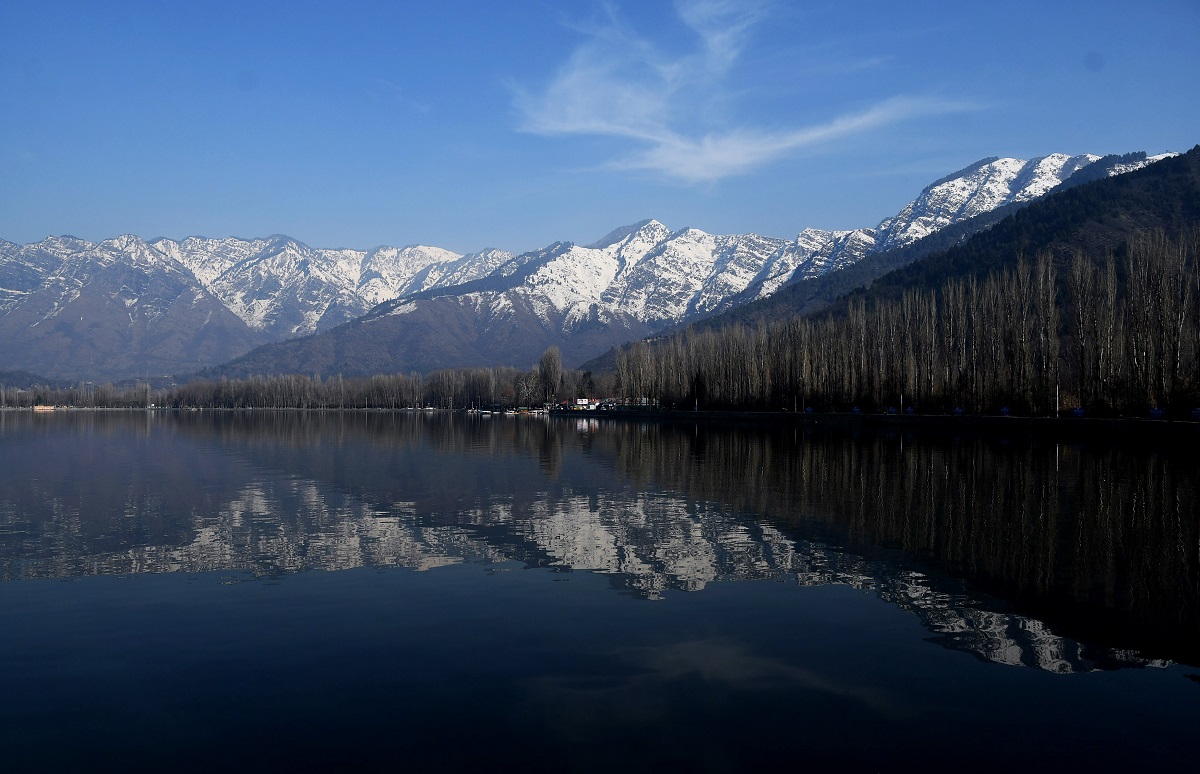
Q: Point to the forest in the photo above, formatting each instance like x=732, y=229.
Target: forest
x=1103, y=335
x=1106, y=335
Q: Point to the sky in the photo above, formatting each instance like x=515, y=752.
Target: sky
x=516, y=124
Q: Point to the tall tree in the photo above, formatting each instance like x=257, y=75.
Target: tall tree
x=550, y=371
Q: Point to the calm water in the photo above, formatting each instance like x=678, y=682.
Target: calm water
x=401, y=590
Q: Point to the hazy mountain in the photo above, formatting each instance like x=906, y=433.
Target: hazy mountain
x=125, y=307
x=73, y=309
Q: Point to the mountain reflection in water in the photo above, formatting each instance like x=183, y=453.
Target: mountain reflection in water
x=1021, y=551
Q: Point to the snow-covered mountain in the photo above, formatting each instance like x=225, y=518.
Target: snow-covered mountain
x=658, y=277
x=643, y=272
x=74, y=309
x=125, y=307
x=980, y=188
x=286, y=288
x=70, y=308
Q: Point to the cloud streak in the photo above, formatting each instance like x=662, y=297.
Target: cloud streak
x=723, y=154
x=679, y=109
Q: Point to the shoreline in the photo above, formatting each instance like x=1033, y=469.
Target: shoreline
x=1068, y=426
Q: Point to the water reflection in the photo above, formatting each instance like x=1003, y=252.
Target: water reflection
x=1020, y=551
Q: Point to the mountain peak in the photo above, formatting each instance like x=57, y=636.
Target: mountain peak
x=624, y=232
x=970, y=169
x=124, y=242
x=64, y=244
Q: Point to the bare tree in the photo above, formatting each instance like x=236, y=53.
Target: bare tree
x=550, y=372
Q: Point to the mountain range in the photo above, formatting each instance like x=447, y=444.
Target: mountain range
x=125, y=307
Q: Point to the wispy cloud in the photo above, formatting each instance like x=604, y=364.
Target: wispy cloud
x=679, y=110
x=717, y=155
x=723, y=26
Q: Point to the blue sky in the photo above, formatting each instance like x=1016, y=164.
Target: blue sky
x=514, y=124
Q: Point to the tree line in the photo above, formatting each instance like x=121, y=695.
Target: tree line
x=455, y=388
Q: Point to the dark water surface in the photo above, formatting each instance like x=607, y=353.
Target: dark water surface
x=296, y=590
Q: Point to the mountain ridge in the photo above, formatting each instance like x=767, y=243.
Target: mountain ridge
x=218, y=298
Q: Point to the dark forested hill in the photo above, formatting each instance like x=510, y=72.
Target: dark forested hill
x=23, y=380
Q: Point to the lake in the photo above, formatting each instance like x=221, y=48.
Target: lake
x=403, y=590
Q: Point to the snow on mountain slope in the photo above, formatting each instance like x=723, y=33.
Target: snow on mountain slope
x=564, y=288
x=20, y=274
x=109, y=310
x=572, y=282
x=642, y=272
x=207, y=258
x=690, y=272
x=1120, y=169
x=643, y=276
x=974, y=190
x=980, y=188
x=388, y=272
x=129, y=264
x=661, y=277
x=165, y=306
x=287, y=288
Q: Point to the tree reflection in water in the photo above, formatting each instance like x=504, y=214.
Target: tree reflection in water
x=1021, y=550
